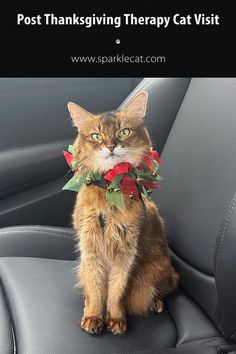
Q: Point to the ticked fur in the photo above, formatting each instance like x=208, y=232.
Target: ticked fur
x=124, y=259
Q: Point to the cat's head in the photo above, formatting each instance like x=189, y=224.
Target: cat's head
x=107, y=139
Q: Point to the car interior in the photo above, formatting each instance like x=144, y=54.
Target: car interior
x=192, y=123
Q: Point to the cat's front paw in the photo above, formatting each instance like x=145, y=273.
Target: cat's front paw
x=92, y=324
x=116, y=326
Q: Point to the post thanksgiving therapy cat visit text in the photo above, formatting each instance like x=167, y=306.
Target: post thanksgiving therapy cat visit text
x=128, y=19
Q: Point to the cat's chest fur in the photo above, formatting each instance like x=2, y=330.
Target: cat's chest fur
x=105, y=229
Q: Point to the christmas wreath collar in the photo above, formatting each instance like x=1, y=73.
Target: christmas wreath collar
x=123, y=179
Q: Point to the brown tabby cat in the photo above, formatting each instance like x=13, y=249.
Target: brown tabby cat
x=124, y=258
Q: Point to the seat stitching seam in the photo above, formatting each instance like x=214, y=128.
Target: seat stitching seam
x=222, y=232
x=51, y=232
x=9, y=309
x=220, y=242
x=43, y=232
x=34, y=227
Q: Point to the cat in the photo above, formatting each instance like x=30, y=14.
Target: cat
x=125, y=264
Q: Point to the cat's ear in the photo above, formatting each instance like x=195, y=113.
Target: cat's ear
x=79, y=115
x=136, y=108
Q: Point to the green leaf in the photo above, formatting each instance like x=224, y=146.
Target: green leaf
x=138, y=172
x=156, y=165
x=145, y=175
x=115, y=199
x=75, y=183
x=71, y=149
x=95, y=176
x=147, y=169
x=132, y=175
x=74, y=165
x=145, y=192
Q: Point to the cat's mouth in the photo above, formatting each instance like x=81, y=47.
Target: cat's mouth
x=112, y=155
x=113, y=159
x=108, y=159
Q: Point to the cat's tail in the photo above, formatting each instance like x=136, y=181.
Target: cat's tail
x=143, y=294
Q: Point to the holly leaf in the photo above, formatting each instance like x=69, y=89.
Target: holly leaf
x=71, y=149
x=156, y=165
x=138, y=172
x=74, y=165
x=95, y=176
x=132, y=175
x=147, y=169
x=145, y=175
x=145, y=192
x=115, y=199
x=75, y=183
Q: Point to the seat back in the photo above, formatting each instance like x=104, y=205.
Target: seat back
x=197, y=198
x=165, y=97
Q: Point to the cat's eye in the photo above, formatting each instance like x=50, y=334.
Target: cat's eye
x=96, y=137
x=124, y=133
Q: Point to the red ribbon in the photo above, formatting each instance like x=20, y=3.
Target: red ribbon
x=69, y=157
x=118, y=169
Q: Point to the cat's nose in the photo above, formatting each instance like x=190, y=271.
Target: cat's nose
x=111, y=147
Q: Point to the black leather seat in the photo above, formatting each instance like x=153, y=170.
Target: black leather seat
x=40, y=306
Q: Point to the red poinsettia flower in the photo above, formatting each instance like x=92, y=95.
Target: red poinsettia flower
x=148, y=160
x=128, y=187
x=69, y=157
x=154, y=154
x=120, y=168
